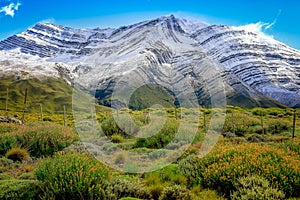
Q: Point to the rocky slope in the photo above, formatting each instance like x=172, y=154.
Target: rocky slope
x=188, y=59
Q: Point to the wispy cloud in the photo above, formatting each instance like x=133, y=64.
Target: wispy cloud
x=260, y=27
x=49, y=20
x=10, y=9
x=274, y=21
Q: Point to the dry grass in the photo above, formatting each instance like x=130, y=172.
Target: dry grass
x=17, y=154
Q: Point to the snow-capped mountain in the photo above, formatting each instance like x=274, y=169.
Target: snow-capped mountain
x=174, y=53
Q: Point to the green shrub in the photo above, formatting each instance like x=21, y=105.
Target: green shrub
x=17, y=154
x=199, y=137
x=207, y=194
x=73, y=176
x=179, y=179
x=255, y=187
x=240, y=124
x=175, y=192
x=27, y=176
x=120, y=158
x=6, y=143
x=6, y=164
x=156, y=190
x=190, y=167
x=234, y=140
x=129, y=198
x=19, y=189
x=223, y=165
x=258, y=111
x=78, y=147
x=45, y=139
x=117, y=138
x=110, y=127
x=277, y=127
x=275, y=111
x=291, y=145
x=7, y=127
x=240, y=131
x=167, y=175
x=47, y=119
x=120, y=187
x=5, y=177
x=260, y=130
x=41, y=139
x=255, y=138
x=161, y=139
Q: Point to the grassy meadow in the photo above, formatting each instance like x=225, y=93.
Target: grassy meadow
x=254, y=158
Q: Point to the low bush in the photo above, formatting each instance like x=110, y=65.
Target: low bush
x=41, y=139
x=156, y=190
x=233, y=140
x=240, y=123
x=258, y=111
x=227, y=163
x=255, y=187
x=120, y=187
x=27, y=176
x=240, y=131
x=6, y=143
x=117, y=138
x=17, y=154
x=161, y=139
x=5, y=177
x=28, y=168
x=191, y=168
x=110, y=127
x=125, y=127
x=275, y=111
x=277, y=127
x=175, y=192
x=6, y=164
x=7, y=127
x=206, y=194
x=73, y=176
x=255, y=138
x=120, y=158
x=291, y=145
x=19, y=189
x=167, y=175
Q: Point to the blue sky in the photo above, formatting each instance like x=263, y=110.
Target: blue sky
x=280, y=19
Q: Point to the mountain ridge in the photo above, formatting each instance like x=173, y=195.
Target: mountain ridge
x=253, y=66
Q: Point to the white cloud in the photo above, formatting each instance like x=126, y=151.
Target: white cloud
x=10, y=9
x=260, y=27
x=49, y=20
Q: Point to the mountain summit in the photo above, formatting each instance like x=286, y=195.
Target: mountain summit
x=256, y=70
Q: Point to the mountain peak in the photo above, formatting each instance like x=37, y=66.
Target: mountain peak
x=252, y=66
x=47, y=26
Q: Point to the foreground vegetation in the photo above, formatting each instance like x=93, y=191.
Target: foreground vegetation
x=257, y=158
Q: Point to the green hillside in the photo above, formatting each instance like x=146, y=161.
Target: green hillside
x=52, y=93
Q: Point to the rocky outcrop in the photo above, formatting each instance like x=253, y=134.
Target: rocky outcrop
x=6, y=119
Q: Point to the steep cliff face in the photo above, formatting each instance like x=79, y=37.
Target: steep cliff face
x=48, y=40
x=257, y=61
x=185, y=57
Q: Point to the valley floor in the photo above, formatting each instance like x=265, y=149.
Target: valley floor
x=255, y=155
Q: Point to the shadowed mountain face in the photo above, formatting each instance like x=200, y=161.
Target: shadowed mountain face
x=182, y=60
